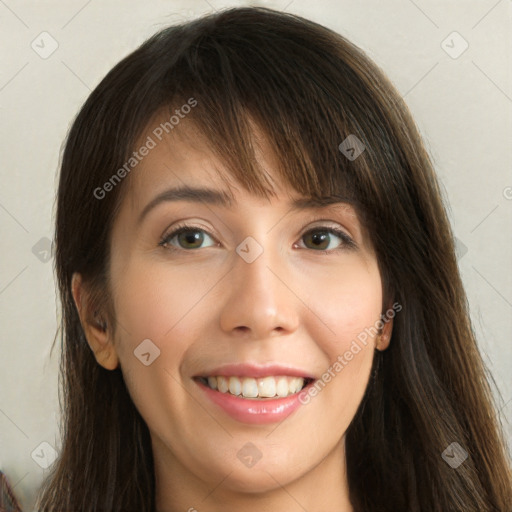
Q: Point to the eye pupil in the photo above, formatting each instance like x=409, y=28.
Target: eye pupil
x=319, y=237
x=187, y=237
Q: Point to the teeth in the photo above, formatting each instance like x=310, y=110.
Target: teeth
x=212, y=382
x=222, y=384
x=235, y=386
x=249, y=387
x=282, y=387
x=267, y=387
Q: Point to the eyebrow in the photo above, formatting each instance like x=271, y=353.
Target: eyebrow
x=222, y=198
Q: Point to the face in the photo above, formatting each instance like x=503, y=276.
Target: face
x=257, y=292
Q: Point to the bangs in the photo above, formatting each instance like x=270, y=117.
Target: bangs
x=265, y=82
x=244, y=93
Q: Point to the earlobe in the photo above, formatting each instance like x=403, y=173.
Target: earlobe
x=384, y=337
x=76, y=291
x=95, y=328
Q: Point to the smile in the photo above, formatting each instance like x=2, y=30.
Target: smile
x=256, y=388
x=229, y=396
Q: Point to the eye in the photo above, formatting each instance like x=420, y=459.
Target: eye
x=321, y=234
x=187, y=234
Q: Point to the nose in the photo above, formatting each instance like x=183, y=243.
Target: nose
x=260, y=301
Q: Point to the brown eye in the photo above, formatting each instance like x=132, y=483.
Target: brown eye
x=321, y=237
x=185, y=235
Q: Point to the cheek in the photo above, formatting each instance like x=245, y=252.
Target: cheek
x=157, y=308
x=159, y=302
x=348, y=305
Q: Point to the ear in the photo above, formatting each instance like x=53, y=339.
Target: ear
x=94, y=326
x=384, y=338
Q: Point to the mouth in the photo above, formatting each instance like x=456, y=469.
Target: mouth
x=256, y=388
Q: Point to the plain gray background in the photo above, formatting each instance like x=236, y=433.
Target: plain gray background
x=461, y=99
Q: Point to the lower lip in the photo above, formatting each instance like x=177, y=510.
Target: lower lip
x=251, y=410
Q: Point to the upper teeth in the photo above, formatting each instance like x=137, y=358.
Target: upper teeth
x=252, y=388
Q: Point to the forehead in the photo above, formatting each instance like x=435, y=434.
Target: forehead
x=180, y=165
x=170, y=159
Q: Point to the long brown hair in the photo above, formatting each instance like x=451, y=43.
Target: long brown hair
x=307, y=88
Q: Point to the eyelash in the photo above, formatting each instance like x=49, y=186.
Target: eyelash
x=347, y=242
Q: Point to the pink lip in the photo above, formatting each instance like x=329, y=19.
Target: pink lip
x=254, y=370
x=251, y=410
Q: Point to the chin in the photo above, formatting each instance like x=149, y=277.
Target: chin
x=254, y=481
x=260, y=478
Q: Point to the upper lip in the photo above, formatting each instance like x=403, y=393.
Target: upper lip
x=256, y=370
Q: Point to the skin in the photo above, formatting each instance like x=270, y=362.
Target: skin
x=205, y=306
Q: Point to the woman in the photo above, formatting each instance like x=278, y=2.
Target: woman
x=314, y=350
